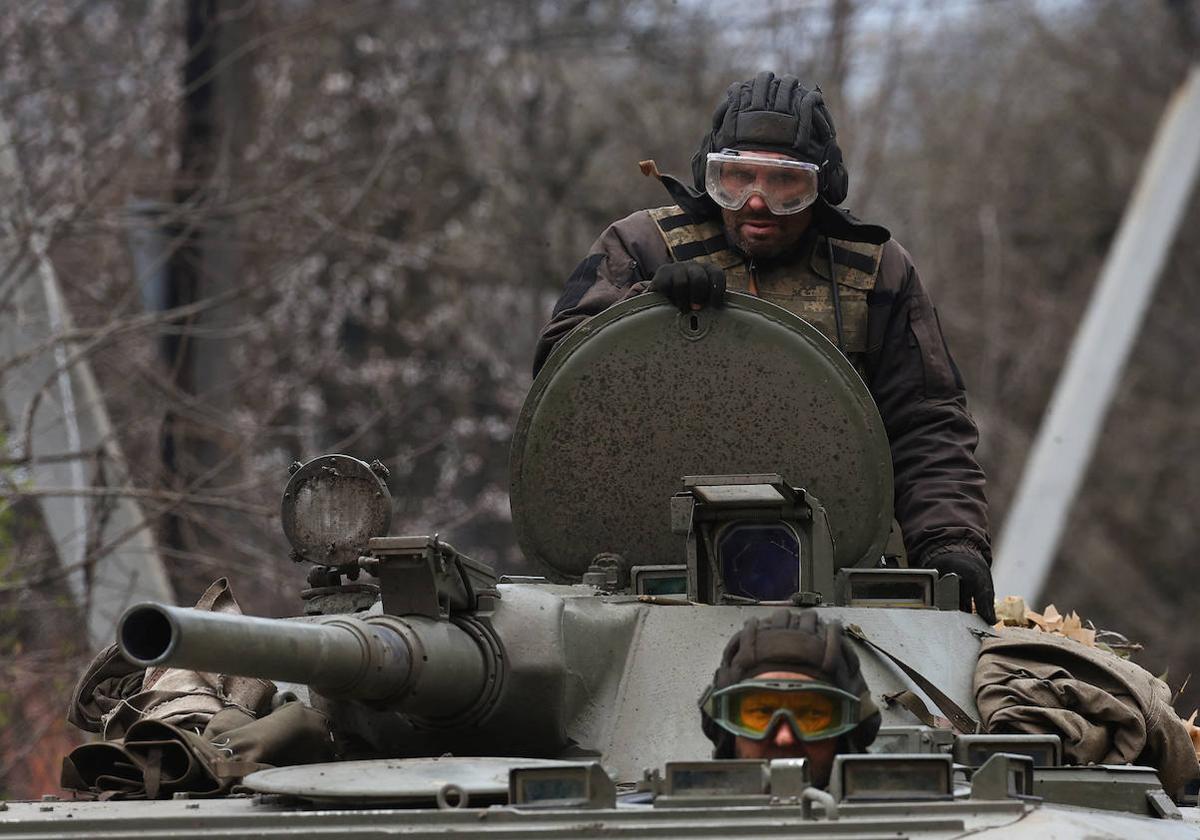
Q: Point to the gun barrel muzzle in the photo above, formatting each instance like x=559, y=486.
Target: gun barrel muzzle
x=415, y=664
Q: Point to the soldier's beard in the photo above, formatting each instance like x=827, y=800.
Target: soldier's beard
x=762, y=234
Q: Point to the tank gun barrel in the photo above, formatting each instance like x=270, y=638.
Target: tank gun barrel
x=414, y=664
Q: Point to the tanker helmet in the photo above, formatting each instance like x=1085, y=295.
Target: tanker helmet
x=797, y=641
x=773, y=114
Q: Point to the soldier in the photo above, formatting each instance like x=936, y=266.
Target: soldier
x=761, y=218
x=787, y=687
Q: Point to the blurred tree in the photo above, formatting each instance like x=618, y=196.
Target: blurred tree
x=385, y=198
x=1010, y=223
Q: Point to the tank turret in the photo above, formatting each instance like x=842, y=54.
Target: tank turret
x=672, y=475
x=649, y=566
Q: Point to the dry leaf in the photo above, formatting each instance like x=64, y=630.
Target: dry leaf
x=1011, y=611
x=1035, y=619
x=1081, y=635
x=1194, y=732
x=1072, y=623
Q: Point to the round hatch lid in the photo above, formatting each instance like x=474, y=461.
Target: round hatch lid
x=641, y=395
x=399, y=780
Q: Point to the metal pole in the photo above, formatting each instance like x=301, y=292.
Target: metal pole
x=57, y=422
x=1068, y=434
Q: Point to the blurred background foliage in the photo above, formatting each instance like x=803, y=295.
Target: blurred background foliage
x=360, y=214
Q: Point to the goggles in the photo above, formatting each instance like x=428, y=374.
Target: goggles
x=752, y=708
x=787, y=186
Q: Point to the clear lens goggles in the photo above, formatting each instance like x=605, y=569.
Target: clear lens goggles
x=787, y=186
x=752, y=708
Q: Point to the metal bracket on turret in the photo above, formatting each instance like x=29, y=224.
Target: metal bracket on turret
x=907, y=588
x=421, y=575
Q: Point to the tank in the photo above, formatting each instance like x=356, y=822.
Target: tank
x=672, y=475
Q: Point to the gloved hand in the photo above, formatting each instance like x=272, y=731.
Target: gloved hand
x=690, y=285
x=974, y=581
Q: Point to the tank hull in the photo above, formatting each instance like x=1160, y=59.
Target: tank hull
x=256, y=817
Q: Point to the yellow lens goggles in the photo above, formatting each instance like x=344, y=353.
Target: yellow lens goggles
x=752, y=708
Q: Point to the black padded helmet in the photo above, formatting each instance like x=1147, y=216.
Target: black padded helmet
x=796, y=641
x=777, y=115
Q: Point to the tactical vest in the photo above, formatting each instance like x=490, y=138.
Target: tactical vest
x=800, y=286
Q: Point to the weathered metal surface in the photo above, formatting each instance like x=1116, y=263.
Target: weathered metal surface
x=332, y=506
x=642, y=395
x=608, y=676
x=399, y=780
x=644, y=712
x=251, y=817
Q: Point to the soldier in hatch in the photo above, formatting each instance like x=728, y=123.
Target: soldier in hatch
x=789, y=687
x=761, y=218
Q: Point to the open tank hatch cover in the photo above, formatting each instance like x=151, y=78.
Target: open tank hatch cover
x=642, y=395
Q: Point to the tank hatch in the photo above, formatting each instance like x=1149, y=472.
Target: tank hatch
x=642, y=395
x=446, y=782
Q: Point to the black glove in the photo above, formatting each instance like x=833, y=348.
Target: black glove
x=690, y=283
x=974, y=581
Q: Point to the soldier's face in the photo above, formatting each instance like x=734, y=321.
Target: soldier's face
x=758, y=232
x=783, y=742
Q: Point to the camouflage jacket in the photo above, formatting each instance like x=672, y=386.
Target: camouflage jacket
x=939, y=486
